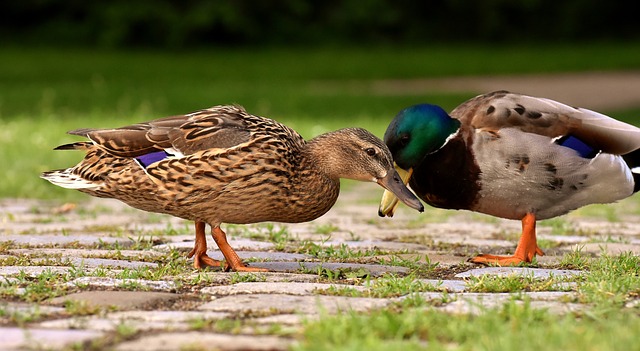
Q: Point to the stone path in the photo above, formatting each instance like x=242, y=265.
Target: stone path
x=101, y=275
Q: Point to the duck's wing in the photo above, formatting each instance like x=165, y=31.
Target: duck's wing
x=219, y=127
x=502, y=109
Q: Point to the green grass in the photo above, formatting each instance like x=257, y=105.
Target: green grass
x=514, y=326
x=391, y=285
x=238, y=277
x=608, y=283
x=513, y=283
x=575, y=259
x=45, y=92
x=341, y=253
x=612, y=281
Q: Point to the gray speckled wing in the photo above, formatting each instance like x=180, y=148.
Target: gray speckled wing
x=550, y=118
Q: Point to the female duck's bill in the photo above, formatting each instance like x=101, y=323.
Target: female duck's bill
x=396, y=189
x=390, y=199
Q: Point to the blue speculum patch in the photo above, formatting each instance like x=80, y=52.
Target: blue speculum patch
x=580, y=146
x=151, y=158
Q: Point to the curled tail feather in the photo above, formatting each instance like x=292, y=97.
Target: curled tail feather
x=81, y=145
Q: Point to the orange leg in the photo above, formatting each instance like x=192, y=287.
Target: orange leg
x=525, y=252
x=199, y=250
x=231, y=257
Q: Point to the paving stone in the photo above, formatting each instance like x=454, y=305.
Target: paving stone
x=287, y=304
x=536, y=273
x=283, y=319
x=610, y=248
x=564, y=239
x=476, y=303
x=274, y=288
x=464, y=228
x=61, y=240
x=283, y=298
x=111, y=263
x=471, y=241
x=93, y=253
x=468, y=305
x=10, y=309
x=373, y=244
x=31, y=271
x=550, y=260
x=535, y=295
x=99, y=262
x=6, y=281
x=167, y=316
x=15, y=206
x=606, y=230
x=104, y=282
x=559, y=308
x=430, y=257
x=96, y=323
x=263, y=255
x=448, y=285
x=118, y=299
x=237, y=244
x=137, y=320
x=373, y=269
x=218, y=277
x=48, y=223
x=43, y=339
x=551, y=295
x=34, y=271
x=204, y=341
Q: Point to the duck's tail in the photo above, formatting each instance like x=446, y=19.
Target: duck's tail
x=67, y=179
x=633, y=161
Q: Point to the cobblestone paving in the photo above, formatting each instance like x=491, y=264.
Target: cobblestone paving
x=103, y=275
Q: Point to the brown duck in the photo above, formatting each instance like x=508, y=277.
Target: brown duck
x=224, y=165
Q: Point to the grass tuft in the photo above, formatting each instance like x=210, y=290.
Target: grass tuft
x=514, y=326
x=612, y=281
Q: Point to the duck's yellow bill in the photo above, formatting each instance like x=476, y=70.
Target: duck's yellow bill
x=389, y=201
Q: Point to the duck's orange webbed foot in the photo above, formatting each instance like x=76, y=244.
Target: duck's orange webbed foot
x=199, y=251
x=525, y=252
x=243, y=268
x=495, y=260
x=201, y=260
x=233, y=261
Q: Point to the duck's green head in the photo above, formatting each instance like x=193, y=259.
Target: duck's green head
x=414, y=133
x=418, y=131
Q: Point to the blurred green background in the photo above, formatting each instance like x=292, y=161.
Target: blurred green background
x=315, y=66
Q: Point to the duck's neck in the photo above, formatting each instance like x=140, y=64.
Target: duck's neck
x=320, y=154
x=317, y=182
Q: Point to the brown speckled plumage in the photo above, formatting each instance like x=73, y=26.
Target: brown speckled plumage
x=224, y=165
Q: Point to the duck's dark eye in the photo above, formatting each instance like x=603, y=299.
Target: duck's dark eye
x=404, y=139
x=370, y=151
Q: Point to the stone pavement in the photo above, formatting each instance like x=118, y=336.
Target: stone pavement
x=102, y=275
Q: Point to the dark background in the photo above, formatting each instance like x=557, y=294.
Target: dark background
x=224, y=23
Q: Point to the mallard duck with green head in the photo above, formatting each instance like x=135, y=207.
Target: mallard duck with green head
x=224, y=165
x=513, y=156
